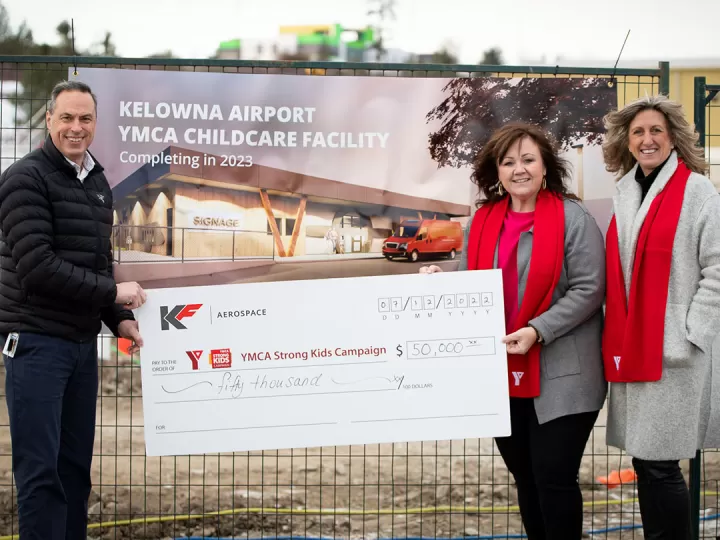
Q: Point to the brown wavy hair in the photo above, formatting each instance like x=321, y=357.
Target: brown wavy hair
x=485, y=165
x=616, y=153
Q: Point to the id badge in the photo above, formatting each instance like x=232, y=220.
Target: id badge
x=11, y=344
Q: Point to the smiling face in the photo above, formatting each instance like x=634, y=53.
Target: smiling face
x=649, y=139
x=72, y=124
x=521, y=171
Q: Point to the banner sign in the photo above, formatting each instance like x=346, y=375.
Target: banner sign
x=306, y=167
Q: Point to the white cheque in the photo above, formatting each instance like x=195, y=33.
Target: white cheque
x=327, y=362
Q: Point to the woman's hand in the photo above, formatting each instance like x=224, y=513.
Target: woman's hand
x=520, y=342
x=430, y=269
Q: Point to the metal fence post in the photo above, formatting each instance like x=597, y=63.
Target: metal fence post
x=664, y=82
x=696, y=463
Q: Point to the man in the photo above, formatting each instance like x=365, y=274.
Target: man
x=56, y=289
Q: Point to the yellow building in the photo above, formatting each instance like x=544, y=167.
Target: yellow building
x=682, y=89
x=682, y=84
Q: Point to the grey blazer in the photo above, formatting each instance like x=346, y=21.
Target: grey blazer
x=572, y=378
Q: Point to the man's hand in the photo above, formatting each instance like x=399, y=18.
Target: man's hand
x=130, y=294
x=131, y=330
x=520, y=342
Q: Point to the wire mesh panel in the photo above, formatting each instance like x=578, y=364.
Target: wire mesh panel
x=707, y=121
x=443, y=489
x=712, y=132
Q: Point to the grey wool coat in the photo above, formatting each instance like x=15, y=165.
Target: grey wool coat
x=572, y=378
x=679, y=414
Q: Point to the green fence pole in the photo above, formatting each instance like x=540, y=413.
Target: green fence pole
x=699, y=112
x=664, y=83
x=696, y=463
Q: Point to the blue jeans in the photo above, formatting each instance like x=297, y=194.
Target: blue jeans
x=51, y=390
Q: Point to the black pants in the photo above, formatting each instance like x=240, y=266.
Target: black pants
x=545, y=462
x=664, y=500
x=51, y=387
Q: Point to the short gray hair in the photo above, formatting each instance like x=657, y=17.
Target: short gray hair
x=66, y=86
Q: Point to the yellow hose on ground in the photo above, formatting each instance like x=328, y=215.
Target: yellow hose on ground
x=336, y=511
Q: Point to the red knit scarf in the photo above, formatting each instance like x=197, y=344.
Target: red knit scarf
x=633, y=335
x=546, y=264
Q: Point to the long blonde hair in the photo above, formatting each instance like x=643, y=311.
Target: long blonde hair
x=618, y=158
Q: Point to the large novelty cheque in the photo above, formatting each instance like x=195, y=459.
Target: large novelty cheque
x=324, y=362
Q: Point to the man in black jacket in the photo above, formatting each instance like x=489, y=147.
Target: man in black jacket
x=56, y=289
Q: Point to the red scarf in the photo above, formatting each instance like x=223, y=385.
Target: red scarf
x=633, y=336
x=545, y=267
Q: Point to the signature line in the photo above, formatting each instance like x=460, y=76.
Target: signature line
x=184, y=389
x=275, y=396
x=422, y=418
x=247, y=427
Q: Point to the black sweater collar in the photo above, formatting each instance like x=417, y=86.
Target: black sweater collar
x=59, y=159
x=647, y=181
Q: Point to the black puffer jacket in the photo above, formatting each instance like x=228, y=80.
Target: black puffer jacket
x=55, y=250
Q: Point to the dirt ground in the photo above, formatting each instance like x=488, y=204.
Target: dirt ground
x=443, y=489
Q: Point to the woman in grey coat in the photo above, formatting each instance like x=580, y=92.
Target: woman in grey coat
x=662, y=305
x=551, y=254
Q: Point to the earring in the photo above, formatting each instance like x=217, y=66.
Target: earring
x=544, y=183
x=501, y=192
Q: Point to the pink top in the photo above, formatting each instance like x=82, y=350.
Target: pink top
x=515, y=223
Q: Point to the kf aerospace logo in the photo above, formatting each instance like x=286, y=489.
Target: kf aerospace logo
x=173, y=317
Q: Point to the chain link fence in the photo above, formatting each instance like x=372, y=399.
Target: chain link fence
x=443, y=489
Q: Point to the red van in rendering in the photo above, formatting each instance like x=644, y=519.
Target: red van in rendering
x=417, y=238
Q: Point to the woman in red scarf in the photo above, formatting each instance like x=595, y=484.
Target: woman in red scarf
x=551, y=253
x=663, y=306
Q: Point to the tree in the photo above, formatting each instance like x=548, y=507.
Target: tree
x=14, y=42
x=108, y=47
x=444, y=55
x=64, y=33
x=37, y=82
x=492, y=57
x=162, y=54
x=382, y=10
x=569, y=109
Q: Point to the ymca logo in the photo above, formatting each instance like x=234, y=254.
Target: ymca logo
x=178, y=313
x=217, y=359
x=194, y=358
x=617, y=362
x=518, y=375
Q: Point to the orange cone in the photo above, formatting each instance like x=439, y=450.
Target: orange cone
x=123, y=345
x=615, y=478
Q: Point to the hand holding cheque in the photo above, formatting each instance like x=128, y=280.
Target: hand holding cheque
x=518, y=342
x=324, y=362
x=131, y=296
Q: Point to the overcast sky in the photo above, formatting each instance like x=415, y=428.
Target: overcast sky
x=575, y=30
